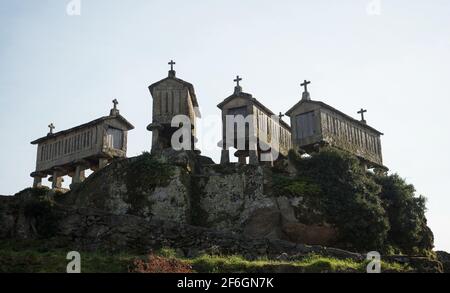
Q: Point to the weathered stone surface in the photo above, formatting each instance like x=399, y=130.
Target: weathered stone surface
x=94, y=229
x=420, y=264
x=113, y=190
x=264, y=223
x=311, y=234
x=230, y=197
x=7, y=218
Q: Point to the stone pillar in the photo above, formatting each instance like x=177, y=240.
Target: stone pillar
x=37, y=182
x=242, y=160
x=78, y=176
x=364, y=165
x=155, y=140
x=56, y=180
x=225, y=157
x=253, y=154
x=155, y=128
x=253, y=157
x=102, y=162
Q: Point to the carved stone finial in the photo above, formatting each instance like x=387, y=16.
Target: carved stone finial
x=362, y=111
x=237, y=88
x=172, y=72
x=51, y=127
x=114, y=111
x=305, y=95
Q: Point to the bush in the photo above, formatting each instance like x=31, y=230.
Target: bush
x=371, y=212
x=348, y=198
x=409, y=232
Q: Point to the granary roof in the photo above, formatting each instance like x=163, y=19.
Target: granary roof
x=255, y=101
x=324, y=105
x=185, y=83
x=91, y=123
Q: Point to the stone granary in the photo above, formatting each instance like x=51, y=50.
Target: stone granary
x=171, y=97
x=315, y=123
x=266, y=129
x=88, y=146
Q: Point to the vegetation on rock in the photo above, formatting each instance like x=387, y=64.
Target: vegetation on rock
x=408, y=231
x=145, y=173
x=371, y=212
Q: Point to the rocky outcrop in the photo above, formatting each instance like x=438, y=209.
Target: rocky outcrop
x=33, y=214
x=7, y=216
x=444, y=258
x=93, y=229
x=190, y=189
x=140, y=186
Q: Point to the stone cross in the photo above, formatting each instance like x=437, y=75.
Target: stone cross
x=171, y=63
x=362, y=111
x=237, y=80
x=305, y=84
x=281, y=115
x=115, y=102
x=51, y=126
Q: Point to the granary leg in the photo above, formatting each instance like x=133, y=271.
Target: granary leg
x=364, y=165
x=253, y=154
x=37, y=182
x=155, y=140
x=79, y=175
x=155, y=128
x=102, y=163
x=225, y=157
x=57, y=180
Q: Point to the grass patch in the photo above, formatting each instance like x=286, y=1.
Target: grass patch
x=39, y=256
x=310, y=264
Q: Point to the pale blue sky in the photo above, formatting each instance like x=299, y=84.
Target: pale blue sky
x=66, y=70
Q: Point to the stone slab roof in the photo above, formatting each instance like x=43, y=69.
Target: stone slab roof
x=256, y=102
x=326, y=106
x=85, y=125
x=185, y=83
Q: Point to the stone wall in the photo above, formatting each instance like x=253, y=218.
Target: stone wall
x=232, y=197
x=231, y=193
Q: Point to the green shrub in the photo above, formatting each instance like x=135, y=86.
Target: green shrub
x=371, y=211
x=348, y=198
x=409, y=232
